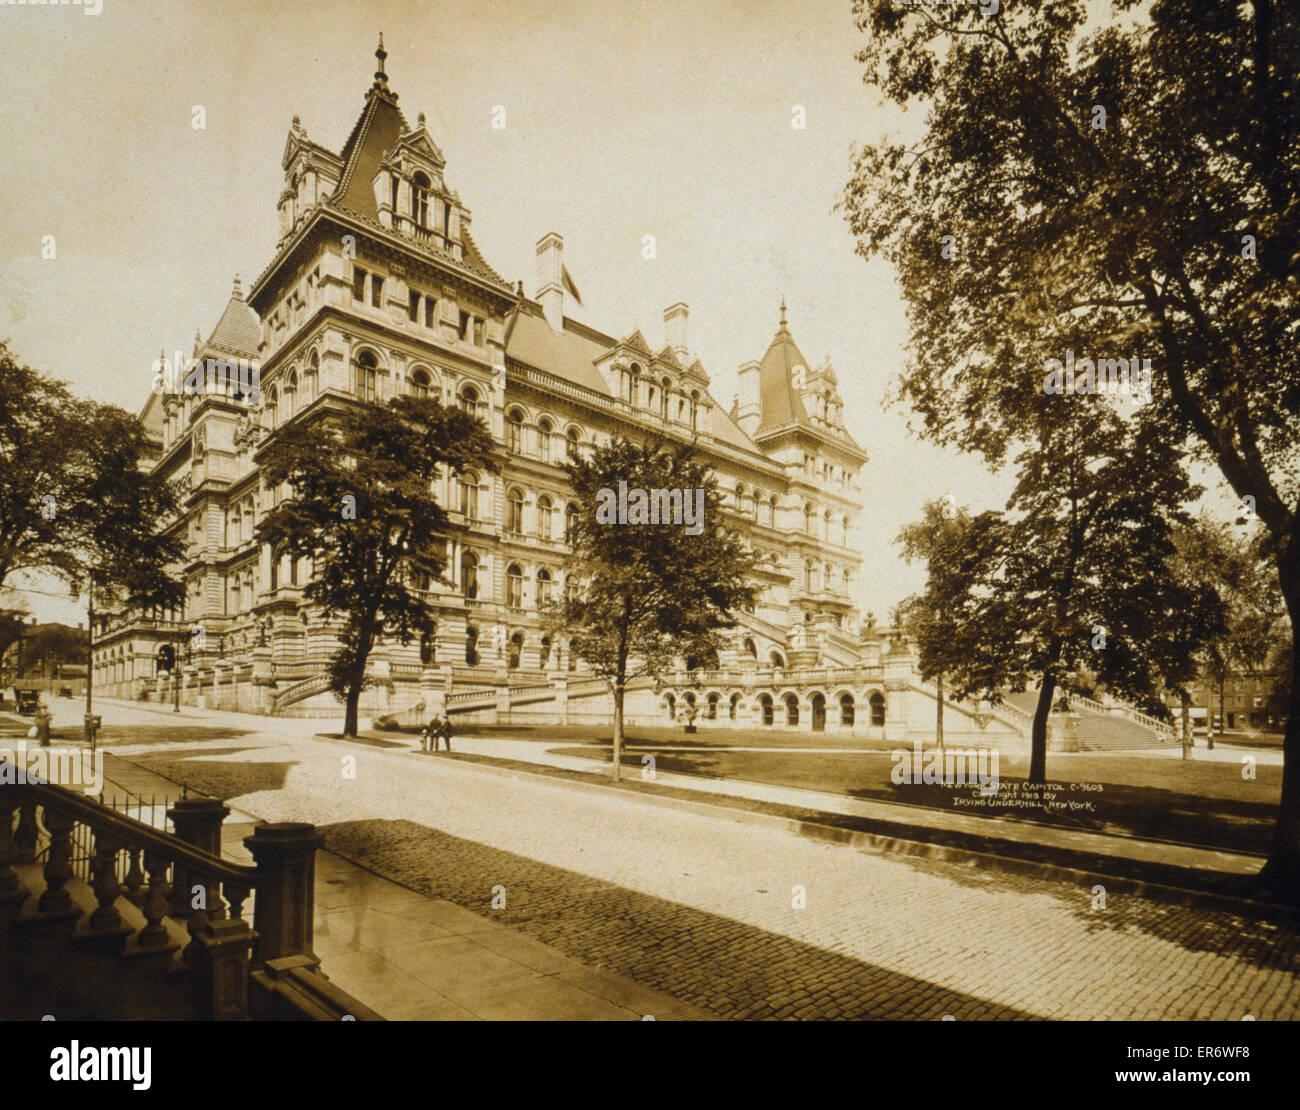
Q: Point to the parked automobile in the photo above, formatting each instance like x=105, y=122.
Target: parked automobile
x=28, y=702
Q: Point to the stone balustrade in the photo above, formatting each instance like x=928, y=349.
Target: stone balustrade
x=239, y=919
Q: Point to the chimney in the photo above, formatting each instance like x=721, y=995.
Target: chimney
x=550, y=278
x=749, y=412
x=676, y=319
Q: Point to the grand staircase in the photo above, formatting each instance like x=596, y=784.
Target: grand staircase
x=1105, y=728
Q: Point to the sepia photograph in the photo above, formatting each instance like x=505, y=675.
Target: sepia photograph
x=650, y=510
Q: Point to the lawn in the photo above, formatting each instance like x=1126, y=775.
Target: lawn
x=1195, y=802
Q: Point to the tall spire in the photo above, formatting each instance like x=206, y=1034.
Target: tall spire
x=381, y=78
x=237, y=291
x=783, y=324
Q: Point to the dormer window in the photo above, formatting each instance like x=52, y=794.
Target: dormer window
x=420, y=201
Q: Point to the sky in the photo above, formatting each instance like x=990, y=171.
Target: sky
x=623, y=118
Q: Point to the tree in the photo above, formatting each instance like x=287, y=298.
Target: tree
x=78, y=500
x=923, y=616
x=1071, y=575
x=360, y=506
x=1229, y=566
x=51, y=646
x=641, y=595
x=1126, y=189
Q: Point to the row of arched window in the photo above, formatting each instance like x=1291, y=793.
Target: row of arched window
x=767, y=708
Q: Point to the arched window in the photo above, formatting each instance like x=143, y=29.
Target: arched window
x=429, y=646
x=515, y=512
x=515, y=432
x=544, y=652
x=469, y=400
x=846, y=710
x=514, y=586
x=471, y=646
x=765, y=706
x=665, y=389
x=670, y=703
x=469, y=574
x=771, y=511
x=777, y=661
x=740, y=497
x=272, y=407
x=570, y=521
x=291, y=394
x=545, y=430
x=732, y=706
x=633, y=384
x=420, y=383
x=468, y=483
x=711, y=708
x=791, y=710
x=311, y=379
x=809, y=519
x=575, y=441
x=514, y=651
x=367, y=376
x=545, y=512
x=544, y=586
x=751, y=648
x=420, y=200
x=877, y=703
x=758, y=501
x=695, y=409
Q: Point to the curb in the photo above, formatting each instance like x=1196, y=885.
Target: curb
x=882, y=843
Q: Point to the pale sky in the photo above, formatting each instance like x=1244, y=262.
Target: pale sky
x=624, y=118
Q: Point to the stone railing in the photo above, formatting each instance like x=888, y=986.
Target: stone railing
x=147, y=883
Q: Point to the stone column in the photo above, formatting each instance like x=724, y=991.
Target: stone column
x=197, y=821
x=284, y=908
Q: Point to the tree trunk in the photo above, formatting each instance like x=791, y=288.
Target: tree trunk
x=1038, y=735
x=1186, y=701
x=350, y=710
x=618, y=727
x=1223, y=707
x=938, y=725
x=1280, y=876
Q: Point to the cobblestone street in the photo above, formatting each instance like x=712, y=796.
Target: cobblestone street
x=705, y=909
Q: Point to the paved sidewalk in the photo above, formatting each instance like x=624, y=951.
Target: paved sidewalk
x=411, y=957
x=1067, y=839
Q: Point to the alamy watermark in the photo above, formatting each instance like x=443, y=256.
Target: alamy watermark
x=1107, y=377
x=90, y=7
x=654, y=506
x=946, y=767
x=232, y=377
x=986, y=7
x=59, y=766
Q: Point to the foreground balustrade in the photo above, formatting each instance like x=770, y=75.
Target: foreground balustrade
x=177, y=876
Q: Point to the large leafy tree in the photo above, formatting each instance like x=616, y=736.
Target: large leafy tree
x=639, y=597
x=361, y=507
x=1125, y=188
x=1070, y=576
x=78, y=499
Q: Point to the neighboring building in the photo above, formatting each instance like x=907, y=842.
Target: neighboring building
x=48, y=656
x=1247, y=701
x=377, y=287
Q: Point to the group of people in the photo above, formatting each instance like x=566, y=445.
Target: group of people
x=438, y=729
